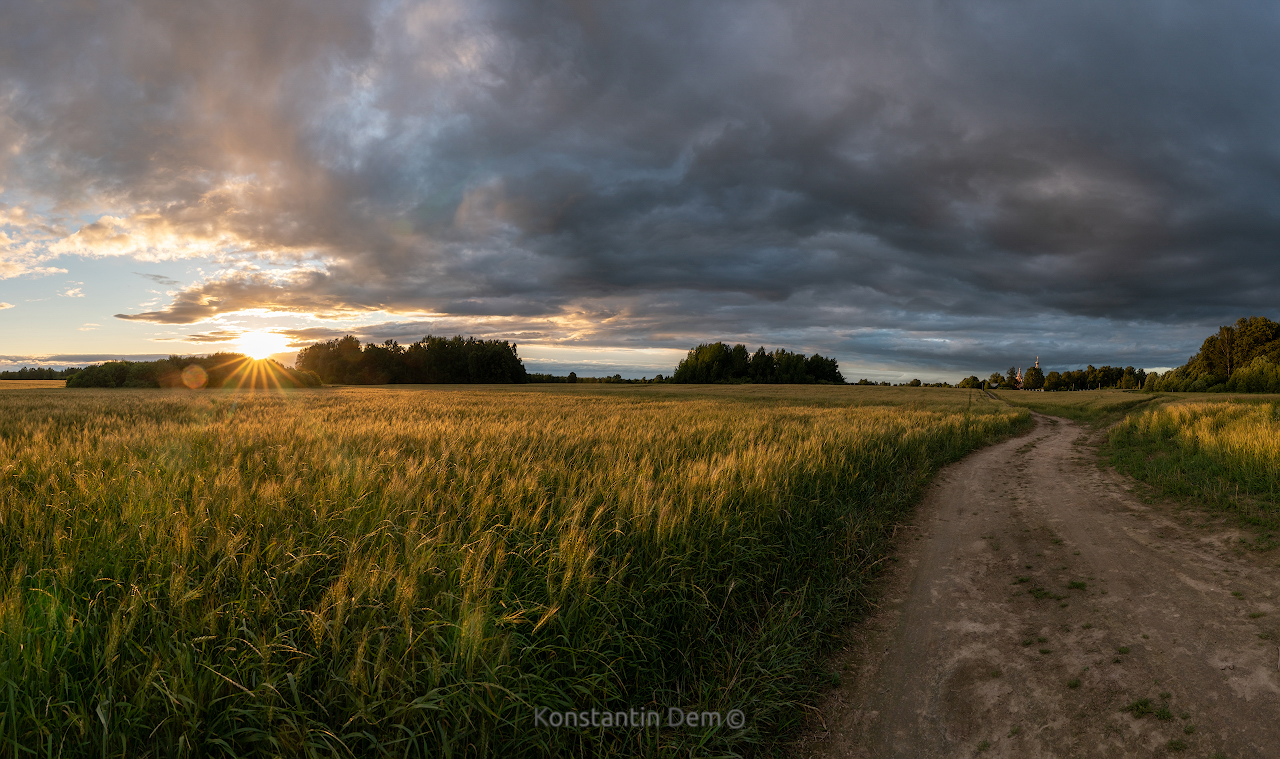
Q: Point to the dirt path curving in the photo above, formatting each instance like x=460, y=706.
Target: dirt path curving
x=1035, y=599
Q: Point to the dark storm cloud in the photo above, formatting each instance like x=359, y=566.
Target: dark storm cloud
x=941, y=184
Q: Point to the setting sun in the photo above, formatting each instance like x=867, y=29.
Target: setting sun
x=259, y=345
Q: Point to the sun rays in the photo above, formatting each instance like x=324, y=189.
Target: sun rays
x=239, y=372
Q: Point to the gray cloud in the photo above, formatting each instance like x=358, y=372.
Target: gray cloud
x=159, y=279
x=63, y=360
x=936, y=184
x=216, y=336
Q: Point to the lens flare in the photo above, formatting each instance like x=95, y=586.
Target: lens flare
x=259, y=345
x=195, y=377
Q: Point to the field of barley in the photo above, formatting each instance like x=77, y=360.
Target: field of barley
x=416, y=571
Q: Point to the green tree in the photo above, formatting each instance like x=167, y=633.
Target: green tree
x=1011, y=378
x=1033, y=379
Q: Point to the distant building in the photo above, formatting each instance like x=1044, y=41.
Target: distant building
x=1019, y=375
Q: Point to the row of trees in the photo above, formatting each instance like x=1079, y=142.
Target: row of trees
x=230, y=370
x=1090, y=378
x=1240, y=358
x=431, y=360
x=37, y=373
x=717, y=362
x=572, y=377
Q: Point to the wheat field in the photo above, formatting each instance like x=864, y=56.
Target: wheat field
x=413, y=572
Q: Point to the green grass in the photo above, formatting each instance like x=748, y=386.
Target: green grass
x=1139, y=708
x=401, y=572
x=1093, y=407
x=1223, y=454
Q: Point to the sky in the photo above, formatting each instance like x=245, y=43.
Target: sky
x=919, y=189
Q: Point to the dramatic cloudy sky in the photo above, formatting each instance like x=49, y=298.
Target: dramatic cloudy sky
x=928, y=188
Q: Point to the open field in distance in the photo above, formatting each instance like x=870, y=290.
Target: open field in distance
x=1089, y=406
x=412, y=572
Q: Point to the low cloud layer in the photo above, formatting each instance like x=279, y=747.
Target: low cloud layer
x=939, y=185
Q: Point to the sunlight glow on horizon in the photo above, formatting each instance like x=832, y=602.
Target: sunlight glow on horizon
x=260, y=345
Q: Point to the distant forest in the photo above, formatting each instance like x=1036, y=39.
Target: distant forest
x=1239, y=358
x=1090, y=378
x=231, y=370
x=431, y=360
x=717, y=362
x=37, y=373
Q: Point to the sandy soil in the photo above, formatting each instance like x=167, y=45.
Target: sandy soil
x=1035, y=598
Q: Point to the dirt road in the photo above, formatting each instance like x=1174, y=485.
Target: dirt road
x=1035, y=599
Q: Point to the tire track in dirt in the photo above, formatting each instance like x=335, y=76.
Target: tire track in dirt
x=1035, y=599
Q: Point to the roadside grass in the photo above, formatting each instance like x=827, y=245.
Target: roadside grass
x=1224, y=454
x=414, y=572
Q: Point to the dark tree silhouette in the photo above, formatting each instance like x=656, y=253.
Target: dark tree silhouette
x=431, y=360
x=38, y=373
x=717, y=362
x=219, y=370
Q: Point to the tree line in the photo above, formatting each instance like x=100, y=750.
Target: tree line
x=1239, y=358
x=1090, y=378
x=229, y=370
x=717, y=362
x=572, y=377
x=431, y=360
x=37, y=373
